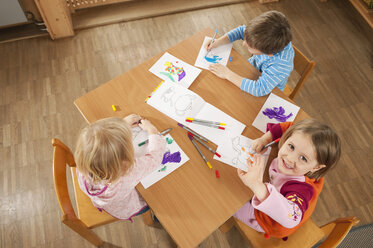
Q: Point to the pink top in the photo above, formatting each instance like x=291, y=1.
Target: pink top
x=120, y=199
x=287, y=201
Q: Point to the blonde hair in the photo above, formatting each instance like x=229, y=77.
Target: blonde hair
x=325, y=141
x=104, y=150
x=269, y=32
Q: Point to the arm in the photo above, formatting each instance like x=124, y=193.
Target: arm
x=234, y=34
x=290, y=204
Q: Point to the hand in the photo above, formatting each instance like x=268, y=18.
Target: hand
x=209, y=46
x=148, y=126
x=259, y=143
x=220, y=70
x=132, y=120
x=253, y=178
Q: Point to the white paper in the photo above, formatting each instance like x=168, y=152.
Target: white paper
x=165, y=169
x=236, y=150
x=274, y=103
x=217, y=55
x=175, y=70
x=180, y=103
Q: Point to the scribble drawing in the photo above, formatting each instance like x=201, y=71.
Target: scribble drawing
x=184, y=104
x=169, y=140
x=243, y=152
x=135, y=132
x=277, y=113
x=171, y=71
x=212, y=58
x=167, y=96
x=169, y=157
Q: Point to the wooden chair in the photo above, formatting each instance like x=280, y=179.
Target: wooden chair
x=307, y=235
x=88, y=216
x=303, y=66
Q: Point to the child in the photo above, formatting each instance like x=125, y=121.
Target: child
x=268, y=38
x=308, y=149
x=107, y=169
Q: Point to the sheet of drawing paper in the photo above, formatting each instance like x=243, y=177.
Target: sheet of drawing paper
x=275, y=110
x=217, y=136
x=236, y=150
x=217, y=55
x=175, y=101
x=175, y=70
x=173, y=158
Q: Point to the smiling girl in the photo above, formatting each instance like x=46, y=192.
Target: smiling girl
x=308, y=149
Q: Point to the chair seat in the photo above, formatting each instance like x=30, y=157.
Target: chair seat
x=88, y=213
x=309, y=233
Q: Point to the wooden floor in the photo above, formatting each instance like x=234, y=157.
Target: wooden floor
x=40, y=78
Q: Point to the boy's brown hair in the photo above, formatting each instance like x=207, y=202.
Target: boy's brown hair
x=104, y=150
x=269, y=32
x=326, y=143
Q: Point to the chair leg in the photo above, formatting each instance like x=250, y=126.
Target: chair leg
x=79, y=227
x=148, y=219
x=227, y=225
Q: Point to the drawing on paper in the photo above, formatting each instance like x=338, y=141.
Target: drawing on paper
x=169, y=157
x=169, y=140
x=243, y=152
x=184, y=104
x=172, y=71
x=212, y=59
x=277, y=114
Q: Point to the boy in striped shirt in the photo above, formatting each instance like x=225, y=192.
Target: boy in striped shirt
x=268, y=38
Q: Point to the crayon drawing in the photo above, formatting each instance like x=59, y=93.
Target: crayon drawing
x=217, y=55
x=174, y=73
x=211, y=58
x=238, y=153
x=173, y=158
x=174, y=70
x=277, y=113
x=275, y=110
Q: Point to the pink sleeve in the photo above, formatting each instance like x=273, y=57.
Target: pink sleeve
x=279, y=208
x=153, y=157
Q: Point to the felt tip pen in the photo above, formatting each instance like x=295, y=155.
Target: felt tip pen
x=161, y=133
x=209, y=148
x=199, y=151
x=191, y=131
x=205, y=121
x=209, y=125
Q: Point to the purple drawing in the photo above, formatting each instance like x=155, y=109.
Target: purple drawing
x=171, y=158
x=277, y=113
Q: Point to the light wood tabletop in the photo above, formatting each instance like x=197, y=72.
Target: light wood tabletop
x=191, y=202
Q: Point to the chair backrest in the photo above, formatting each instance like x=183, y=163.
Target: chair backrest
x=303, y=66
x=334, y=232
x=62, y=156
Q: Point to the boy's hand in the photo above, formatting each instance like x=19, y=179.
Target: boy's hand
x=209, y=45
x=148, y=126
x=220, y=70
x=132, y=119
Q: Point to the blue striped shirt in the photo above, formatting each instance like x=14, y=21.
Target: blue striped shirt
x=275, y=69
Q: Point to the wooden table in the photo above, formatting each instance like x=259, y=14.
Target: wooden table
x=191, y=202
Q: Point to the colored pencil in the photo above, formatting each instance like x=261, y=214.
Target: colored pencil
x=189, y=119
x=200, y=152
x=161, y=133
x=209, y=125
x=191, y=131
x=200, y=141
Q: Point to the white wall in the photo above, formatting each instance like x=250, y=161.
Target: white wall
x=11, y=12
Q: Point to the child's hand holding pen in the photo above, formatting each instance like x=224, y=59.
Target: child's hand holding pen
x=148, y=126
x=132, y=119
x=259, y=143
x=253, y=178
